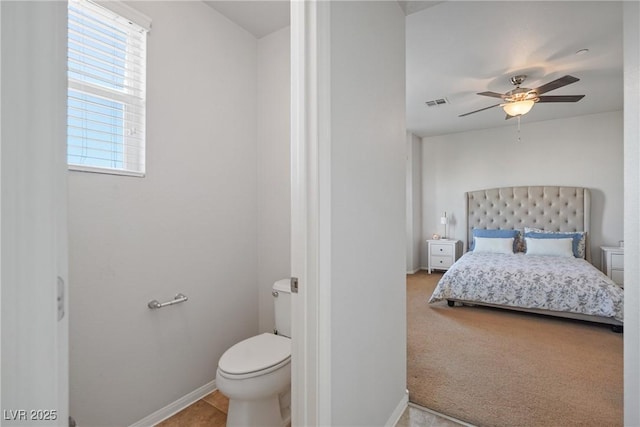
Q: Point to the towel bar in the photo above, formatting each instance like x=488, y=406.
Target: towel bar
x=176, y=300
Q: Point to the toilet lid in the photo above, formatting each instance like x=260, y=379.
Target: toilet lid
x=255, y=354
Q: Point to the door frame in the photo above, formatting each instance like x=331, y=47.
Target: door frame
x=33, y=210
x=310, y=212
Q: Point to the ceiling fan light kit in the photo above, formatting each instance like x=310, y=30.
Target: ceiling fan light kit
x=518, y=108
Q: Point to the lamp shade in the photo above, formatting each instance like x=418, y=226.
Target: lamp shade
x=518, y=108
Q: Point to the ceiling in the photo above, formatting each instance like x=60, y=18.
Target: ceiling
x=458, y=48
x=260, y=17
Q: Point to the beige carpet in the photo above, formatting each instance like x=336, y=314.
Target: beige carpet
x=492, y=367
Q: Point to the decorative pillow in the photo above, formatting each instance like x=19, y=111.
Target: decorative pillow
x=560, y=247
x=483, y=232
x=495, y=245
x=579, y=238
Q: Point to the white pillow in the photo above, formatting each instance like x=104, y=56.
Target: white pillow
x=496, y=245
x=549, y=247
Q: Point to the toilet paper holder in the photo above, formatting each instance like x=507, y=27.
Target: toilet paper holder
x=176, y=300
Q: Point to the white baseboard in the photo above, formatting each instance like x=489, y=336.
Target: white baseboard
x=175, y=407
x=413, y=271
x=397, y=413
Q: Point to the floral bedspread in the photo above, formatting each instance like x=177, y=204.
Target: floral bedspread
x=519, y=280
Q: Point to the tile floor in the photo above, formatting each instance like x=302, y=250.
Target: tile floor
x=416, y=416
x=211, y=411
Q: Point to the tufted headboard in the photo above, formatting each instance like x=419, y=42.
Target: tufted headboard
x=547, y=207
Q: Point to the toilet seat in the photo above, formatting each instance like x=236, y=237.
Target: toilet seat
x=255, y=356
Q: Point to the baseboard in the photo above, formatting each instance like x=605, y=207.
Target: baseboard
x=413, y=271
x=177, y=406
x=397, y=413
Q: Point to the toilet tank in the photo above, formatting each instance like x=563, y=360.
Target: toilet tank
x=281, y=292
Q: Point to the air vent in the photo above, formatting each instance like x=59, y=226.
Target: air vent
x=437, y=102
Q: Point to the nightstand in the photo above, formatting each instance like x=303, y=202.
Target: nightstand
x=613, y=263
x=441, y=254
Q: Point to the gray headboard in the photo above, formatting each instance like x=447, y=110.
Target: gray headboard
x=550, y=208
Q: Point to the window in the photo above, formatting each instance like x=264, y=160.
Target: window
x=106, y=94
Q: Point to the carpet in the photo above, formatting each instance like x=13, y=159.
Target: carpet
x=493, y=367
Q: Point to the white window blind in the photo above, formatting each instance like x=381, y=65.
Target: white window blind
x=106, y=98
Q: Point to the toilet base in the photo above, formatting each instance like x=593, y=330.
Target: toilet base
x=285, y=408
x=263, y=412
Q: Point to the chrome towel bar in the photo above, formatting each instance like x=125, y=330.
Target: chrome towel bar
x=176, y=300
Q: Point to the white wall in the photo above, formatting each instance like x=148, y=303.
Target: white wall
x=631, y=212
x=414, y=201
x=274, y=168
x=368, y=303
x=581, y=151
x=189, y=226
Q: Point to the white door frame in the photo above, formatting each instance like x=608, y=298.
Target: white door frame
x=33, y=231
x=631, y=12
x=310, y=213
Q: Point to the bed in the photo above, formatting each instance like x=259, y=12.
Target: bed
x=539, y=220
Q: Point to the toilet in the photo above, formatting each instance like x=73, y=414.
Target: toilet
x=255, y=374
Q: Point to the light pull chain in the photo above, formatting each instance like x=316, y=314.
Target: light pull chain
x=519, y=140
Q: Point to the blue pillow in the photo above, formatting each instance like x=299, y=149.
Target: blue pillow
x=504, y=234
x=575, y=236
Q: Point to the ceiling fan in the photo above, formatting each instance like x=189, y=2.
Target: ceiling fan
x=520, y=100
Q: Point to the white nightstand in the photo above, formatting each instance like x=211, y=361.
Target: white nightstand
x=613, y=263
x=441, y=254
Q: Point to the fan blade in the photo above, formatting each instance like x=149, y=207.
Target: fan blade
x=476, y=111
x=493, y=94
x=558, y=83
x=561, y=98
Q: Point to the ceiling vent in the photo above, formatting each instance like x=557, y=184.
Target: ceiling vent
x=437, y=102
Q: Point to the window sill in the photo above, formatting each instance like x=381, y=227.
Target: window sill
x=106, y=171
